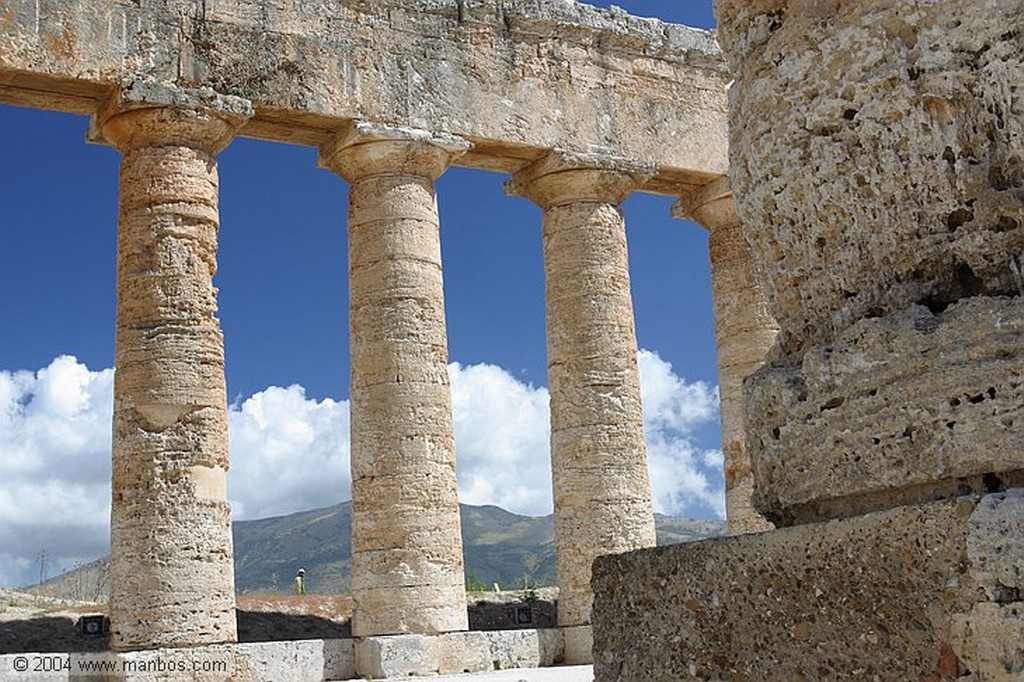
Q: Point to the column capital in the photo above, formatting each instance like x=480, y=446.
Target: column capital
x=154, y=113
x=711, y=205
x=363, y=149
x=562, y=177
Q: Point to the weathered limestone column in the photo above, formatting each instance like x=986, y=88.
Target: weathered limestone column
x=407, y=565
x=602, y=493
x=171, y=572
x=891, y=250
x=745, y=331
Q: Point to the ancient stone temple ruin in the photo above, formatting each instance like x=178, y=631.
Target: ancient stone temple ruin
x=580, y=107
x=861, y=180
x=877, y=159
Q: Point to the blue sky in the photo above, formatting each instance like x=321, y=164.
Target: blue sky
x=283, y=308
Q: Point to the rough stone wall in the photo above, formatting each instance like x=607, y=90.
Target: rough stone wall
x=876, y=160
x=924, y=593
x=516, y=77
x=943, y=417
x=879, y=166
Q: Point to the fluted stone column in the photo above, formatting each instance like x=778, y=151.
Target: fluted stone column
x=602, y=493
x=171, y=572
x=407, y=565
x=745, y=331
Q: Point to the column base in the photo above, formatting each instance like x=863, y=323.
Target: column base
x=579, y=644
x=923, y=592
x=386, y=657
x=311, y=660
x=403, y=656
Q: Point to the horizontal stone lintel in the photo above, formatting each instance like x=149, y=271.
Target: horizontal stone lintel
x=515, y=78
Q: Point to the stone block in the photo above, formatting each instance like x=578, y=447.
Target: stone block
x=579, y=644
x=525, y=648
x=551, y=647
x=493, y=74
x=896, y=410
x=875, y=156
x=296, y=661
x=463, y=652
x=912, y=593
x=385, y=657
x=395, y=656
x=306, y=660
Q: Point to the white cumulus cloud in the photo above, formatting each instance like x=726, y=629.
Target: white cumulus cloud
x=290, y=452
x=54, y=468
x=686, y=480
x=501, y=439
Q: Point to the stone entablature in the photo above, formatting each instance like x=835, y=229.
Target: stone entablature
x=514, y=77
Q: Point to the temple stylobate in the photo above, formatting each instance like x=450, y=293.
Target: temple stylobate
x=580, y=107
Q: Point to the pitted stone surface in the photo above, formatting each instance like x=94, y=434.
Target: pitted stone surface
x=990, y=639
x=876, y=154
x=407, y=570
x=996, y=546
x=172, y=579
x=877, y=162
x=893, y=596
x=602, y=494
x=905, y=407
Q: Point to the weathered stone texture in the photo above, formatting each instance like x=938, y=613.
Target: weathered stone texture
x=891, y=596
x=516, y=77
x=877, y=161
x=744, y=331
x=906, y=407
x=993, y=631
x=877, y=154
x=402, y=656
x=407, y=570
x=171, y=572
x=602, y=494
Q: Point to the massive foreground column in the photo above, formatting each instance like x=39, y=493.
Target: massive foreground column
x=171, y=572
x=602, y=494
x=892, y=252
x=744, y=330
x=877, y=159
x=407, y=566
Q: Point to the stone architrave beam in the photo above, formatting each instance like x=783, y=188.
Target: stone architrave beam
x=171, y=570
x=745, y=331
x=602, y=493
x=514, y=77
x=407, y=565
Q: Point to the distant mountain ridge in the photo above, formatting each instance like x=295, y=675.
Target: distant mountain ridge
x=498, y=547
